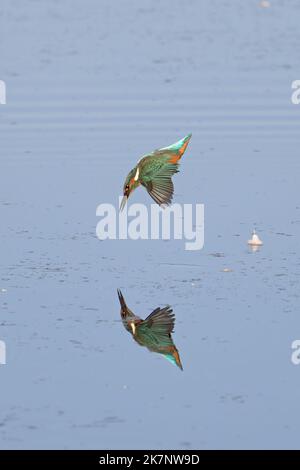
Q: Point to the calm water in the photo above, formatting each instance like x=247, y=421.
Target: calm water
x=91, y=86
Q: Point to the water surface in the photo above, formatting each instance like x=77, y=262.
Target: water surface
x=92, y=86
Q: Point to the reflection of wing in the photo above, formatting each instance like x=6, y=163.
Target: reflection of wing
x=161, y=320
x=155, y=334
x=155, y=331
x=154, y=342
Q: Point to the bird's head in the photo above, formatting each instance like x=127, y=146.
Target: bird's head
x=125, y=311
x=128, y=317
x=124, y=307
x=131, y=183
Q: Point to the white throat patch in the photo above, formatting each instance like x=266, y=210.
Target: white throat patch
x=137, y=174
x=133, y=327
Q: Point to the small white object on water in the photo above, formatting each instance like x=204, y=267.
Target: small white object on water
x=3, y=290
x=265, y=4
x=227, y=270
x=255, y=240
x=254, y=248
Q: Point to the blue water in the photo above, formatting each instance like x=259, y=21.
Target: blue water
x=92, y=86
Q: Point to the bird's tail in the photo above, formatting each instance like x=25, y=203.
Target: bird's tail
x=174, y=357
x=179, y=148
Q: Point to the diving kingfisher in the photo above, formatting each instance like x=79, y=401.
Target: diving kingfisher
x=154, y=171
x=154, y=332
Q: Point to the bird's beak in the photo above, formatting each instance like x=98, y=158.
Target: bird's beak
x=122, y=301
x=123, y=203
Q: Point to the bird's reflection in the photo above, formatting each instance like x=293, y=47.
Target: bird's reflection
x=154, y=332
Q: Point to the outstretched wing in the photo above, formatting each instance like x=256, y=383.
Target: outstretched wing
x=156, y=177
x=157, y=169
x=161, y=320
x=155, y=333
x=161, y=191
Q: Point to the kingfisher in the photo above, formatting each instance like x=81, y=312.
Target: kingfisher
x=154, y=332
x=154, y=171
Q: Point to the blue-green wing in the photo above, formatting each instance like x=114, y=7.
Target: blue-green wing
x=156, y=173
x=155, y=331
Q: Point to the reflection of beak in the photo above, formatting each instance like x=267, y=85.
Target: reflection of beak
x=123, y=203
x=133, y=327
x=121, y=299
